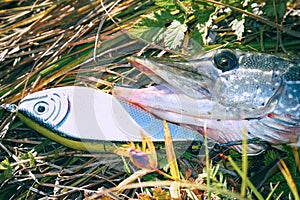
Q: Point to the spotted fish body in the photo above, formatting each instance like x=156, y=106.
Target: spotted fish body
x=225, y=91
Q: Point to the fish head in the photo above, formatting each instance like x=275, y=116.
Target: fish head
x=249, y=83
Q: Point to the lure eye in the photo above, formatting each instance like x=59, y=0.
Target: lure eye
x=225, y=60
x=41, y=108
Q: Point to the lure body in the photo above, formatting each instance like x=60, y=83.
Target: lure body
x=89, y=119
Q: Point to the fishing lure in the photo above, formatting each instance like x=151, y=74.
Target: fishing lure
x=89, y=119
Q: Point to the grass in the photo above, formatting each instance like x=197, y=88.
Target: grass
x=57, y=43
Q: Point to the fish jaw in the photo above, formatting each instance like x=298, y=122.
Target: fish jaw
x=183, y=78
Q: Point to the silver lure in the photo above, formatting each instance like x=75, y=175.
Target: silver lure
x=225, y=91
x=89, y=119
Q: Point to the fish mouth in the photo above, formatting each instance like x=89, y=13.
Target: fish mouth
x=179, y=95
x=181, y=74
x=183, y=90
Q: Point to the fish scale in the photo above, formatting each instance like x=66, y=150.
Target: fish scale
x=293, y=73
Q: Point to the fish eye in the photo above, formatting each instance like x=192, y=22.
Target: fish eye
x=40, y=107
x=225, y=60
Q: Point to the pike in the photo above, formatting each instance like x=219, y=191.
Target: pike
x=226, y=91
x=223, y=90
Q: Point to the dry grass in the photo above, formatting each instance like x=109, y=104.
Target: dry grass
x=44, y=44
